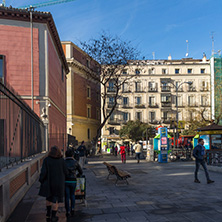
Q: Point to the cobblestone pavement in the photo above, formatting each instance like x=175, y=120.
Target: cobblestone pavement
x=156, y=192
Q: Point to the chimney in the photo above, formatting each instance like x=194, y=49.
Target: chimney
x=204, y=59
x=169, y=57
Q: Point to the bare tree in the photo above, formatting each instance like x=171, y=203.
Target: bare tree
x=114, y=55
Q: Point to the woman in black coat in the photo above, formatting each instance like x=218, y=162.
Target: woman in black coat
x=52, y=179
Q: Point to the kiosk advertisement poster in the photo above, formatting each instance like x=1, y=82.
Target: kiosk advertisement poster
x=206, y=139
x=163, y=145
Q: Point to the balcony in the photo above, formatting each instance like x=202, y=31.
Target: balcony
x=205, y=105
x=126, y=106
x=114, y=121
x=152, y=90
x=204, y=89
x=139, y=91
x=193, y=89
x=166, y=104
x=153, y=121
x=153, y=105
x=166, y=120
x=165, y=89
x=140, y=106
x=110, y=105
x=126, y=91
x=192, y=105
x=111, y=90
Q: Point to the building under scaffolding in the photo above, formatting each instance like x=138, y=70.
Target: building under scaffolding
x=216, y=87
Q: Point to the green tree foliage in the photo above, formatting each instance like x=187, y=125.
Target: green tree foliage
x=136, y=130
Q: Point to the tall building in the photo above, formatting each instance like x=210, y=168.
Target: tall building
x=33, y=63
x=216, y=87
x=83, y=94
x=158, y=90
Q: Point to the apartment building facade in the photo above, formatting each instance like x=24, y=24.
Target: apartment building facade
x=158, y=90
x=83, y=94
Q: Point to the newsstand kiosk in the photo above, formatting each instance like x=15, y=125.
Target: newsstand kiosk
x=163, y=156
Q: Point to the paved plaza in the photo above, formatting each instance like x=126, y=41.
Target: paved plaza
x=156, y=192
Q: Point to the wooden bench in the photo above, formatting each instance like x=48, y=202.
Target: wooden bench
x=110, y=169
x=120, y=175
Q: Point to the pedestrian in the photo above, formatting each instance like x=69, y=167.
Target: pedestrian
x=123, y=153
x=128, y=149
x=82, y=154
x=199, y=153
x=132, y=150
x=116, y=150
x=70, y=182
x=52, y=179
x=138, y=151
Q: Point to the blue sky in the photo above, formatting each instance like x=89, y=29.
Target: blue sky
x=160, y=26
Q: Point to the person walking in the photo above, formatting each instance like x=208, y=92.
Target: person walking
x=198, y=153
x=138, y=151
x=70, y=182
x=123, y=153
x=52, y=179
x=82, y=154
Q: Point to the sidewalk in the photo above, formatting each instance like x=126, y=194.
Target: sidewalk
x=156, y=192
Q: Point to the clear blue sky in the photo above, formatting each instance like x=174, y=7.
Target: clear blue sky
x=160, y=26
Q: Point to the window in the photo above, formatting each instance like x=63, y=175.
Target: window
x=125, y=116
x=88, y=63
x=138, y=116
x=125, y=87
x=61, y=71
x=166, y=98
x=204, y=101
x=111, y=86
x=177, y=71
x=138, y=100
x=202, y=71
x=112, y=116
x=1, y=67
x=137, y=71
x=88, y=133
x=164, y=115
x=111, y=130
x=137, y=86
x=151, y=71
x=152, y=116
x=189, y=71
x=111, y=100
x=88, y=92
x=124, y=72
x=88, y=111
x=152, y=101
x=190, y=100
x=125, y=100
x=97, y=113
x=164, y=71
x=179, y=100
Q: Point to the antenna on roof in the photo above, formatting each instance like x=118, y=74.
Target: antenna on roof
x=212, y=37
x=187, y=54
x=153, y=53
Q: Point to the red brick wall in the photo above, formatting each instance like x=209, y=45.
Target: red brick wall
x=80, y=96
x=16, y=46
x=57, y=93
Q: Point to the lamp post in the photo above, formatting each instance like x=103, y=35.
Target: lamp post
x=177, y=119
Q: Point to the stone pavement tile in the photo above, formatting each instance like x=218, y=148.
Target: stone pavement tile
x=115, y=210
x=92, y=211
x=213, y=215
x=35, y=217
x=124, y=204
x=198, y=217
x=134, y=215
x=105, y=217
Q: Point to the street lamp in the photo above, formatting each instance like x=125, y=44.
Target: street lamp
x=177, y=119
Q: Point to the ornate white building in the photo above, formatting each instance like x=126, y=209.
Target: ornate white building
x=150, y=95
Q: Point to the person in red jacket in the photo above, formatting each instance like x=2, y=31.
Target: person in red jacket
x=123, y=153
